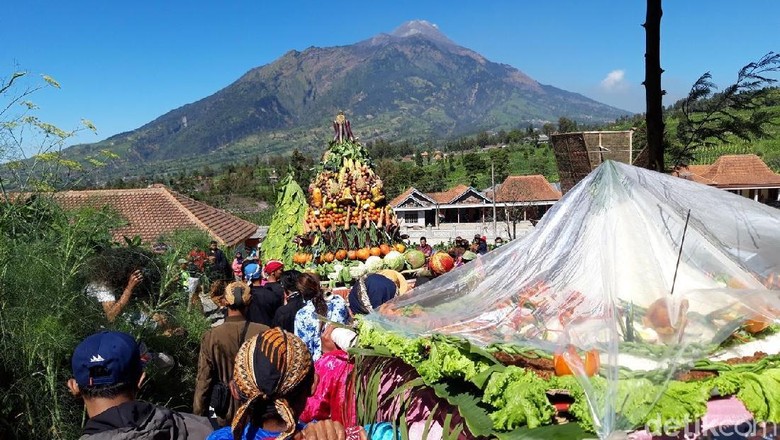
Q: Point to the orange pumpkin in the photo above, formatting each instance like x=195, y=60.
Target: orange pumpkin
x=563, y=368
x=385, y=249
x=375, y=251
x=363, y=254
x=352, y=254
x=341, y=254
x=400, y=247
x=328, y=257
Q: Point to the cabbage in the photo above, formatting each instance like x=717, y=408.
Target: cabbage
x=358, y=270
x=344, y=275
x=374, y=264
x=394, y=260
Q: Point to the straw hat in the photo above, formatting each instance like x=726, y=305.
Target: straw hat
x=397, y=278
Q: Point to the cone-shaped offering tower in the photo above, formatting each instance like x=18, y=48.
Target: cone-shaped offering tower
x=347, y=217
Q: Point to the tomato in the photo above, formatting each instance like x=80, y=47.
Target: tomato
x=563, y=368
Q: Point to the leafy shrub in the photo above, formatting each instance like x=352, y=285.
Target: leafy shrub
x=44, y=314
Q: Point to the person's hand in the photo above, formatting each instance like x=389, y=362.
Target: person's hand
x=323, y=430
x=135, y=279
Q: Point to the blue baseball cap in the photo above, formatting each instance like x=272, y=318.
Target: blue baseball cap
x=252, y=271
x=107, y=358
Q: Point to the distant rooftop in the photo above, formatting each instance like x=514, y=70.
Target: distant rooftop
x=157, y=210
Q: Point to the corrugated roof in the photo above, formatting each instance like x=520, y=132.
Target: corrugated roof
x=157, y=210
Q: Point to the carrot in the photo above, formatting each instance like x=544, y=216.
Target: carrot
x=381, y=218
x=360, y=219
x=319, y=223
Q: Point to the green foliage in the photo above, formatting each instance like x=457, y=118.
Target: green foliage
x=286, y=224
x=499, y=158
x=739, y=112
x=31, y=148
x=519, y=396
x=515, y=398
x=43, y=313
x=566, y=125
x=474, y=166
x=760, y=392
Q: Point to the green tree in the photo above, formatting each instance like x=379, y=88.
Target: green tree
x=418, y=160
x=483, y=139
x=500, y=160
x=548, y=129
x=566, y=125
x=474, y=166
x=739, y=111
x=302, y=167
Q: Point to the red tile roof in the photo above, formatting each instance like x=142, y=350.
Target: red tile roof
x=732, y=171
x=694, y=173
x=526, y=189
x=397, y=201
x=447, y=196
x=157, y=210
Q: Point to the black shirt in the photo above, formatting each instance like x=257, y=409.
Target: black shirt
x=285, y=315
x=265, y=301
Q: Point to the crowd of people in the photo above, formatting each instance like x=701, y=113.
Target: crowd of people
x=273, y=365
x=460, y=249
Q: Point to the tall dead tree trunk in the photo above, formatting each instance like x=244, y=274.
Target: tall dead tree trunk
x=653, y=92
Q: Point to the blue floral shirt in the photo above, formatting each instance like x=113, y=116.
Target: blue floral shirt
x=309, y=328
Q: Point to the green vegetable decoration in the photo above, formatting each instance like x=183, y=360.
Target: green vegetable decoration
x=516, y=398
x=286, y=224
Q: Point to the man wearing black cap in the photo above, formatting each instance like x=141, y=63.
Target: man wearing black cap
x=266, y=297
x=218, y=349
x=107, y=372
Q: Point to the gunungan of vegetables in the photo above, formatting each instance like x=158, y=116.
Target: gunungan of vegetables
x=352, y=196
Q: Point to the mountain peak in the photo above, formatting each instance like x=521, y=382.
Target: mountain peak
x=423, y=28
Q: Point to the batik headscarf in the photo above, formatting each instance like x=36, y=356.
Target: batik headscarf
x=268, y=368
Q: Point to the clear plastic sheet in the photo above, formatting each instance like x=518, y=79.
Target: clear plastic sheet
x=597, y=274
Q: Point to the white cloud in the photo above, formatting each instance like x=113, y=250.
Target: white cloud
x=615, y=81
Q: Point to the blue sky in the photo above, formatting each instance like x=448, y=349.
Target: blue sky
x=122, y=64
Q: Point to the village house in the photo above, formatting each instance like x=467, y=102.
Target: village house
x=743, y=174
x=465, y=211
